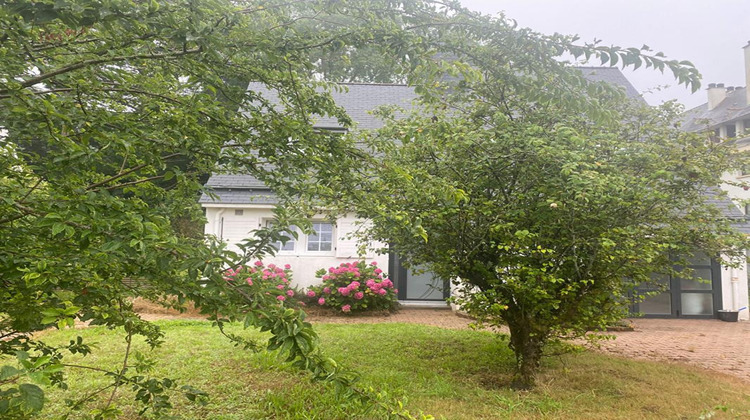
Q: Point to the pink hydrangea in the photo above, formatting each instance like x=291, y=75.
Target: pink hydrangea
x=353, y=285
x=374, y=263
x=258, y=263
x=381, y=292
x=287, y=267
x=359, y=295
x=387, y=283
x=327, y=290
x=377, y=271
x=290, y=292
x=370, y=283
x=280, y=286
x=344, y=291
x=249, y=281
x=311, y=293
x=346, y=308
x=281, y=298
x=321, y=301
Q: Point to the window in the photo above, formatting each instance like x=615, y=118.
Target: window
x=290, y=244
x=322, y=237
x=239, y=212
x=731, y=131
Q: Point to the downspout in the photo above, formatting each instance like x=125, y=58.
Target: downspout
x=735, y=288
x=219, y=223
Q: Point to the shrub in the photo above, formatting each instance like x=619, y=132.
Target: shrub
x=271, y=280
x=354, y=287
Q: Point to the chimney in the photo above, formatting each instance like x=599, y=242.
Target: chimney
x=747, y=72
x=716, y=94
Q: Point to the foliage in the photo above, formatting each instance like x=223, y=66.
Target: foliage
x=269, y=280
x=354, y=287
x=546, y=222
x=114, y=112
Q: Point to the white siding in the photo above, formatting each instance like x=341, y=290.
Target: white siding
x=222, y=222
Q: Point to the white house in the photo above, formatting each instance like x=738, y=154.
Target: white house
x=241, y=204
x=726, y=115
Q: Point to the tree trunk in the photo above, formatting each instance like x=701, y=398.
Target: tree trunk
x=527, y=346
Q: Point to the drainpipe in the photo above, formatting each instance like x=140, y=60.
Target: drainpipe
x=735, y=288
x=219, y=224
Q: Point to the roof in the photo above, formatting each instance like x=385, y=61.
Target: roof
x=729, y=210
x=239, y=196
x=358, y=100
x=733, y=107
x=613, y=76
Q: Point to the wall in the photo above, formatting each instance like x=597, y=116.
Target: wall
x=728, y=290
x=304, y=264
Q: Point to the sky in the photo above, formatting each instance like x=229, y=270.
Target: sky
x=709, y=33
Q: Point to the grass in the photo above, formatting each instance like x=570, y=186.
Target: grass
x=449, y=374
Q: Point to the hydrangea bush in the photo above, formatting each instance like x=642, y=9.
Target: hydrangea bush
x=270, y=280
x=354, y=287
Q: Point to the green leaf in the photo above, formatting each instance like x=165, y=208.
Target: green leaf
x=31, y=397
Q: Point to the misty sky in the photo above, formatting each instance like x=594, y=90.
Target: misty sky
x=710, y=33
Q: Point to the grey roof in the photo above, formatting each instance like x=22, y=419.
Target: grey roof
x=235, y=181
x=613, y=76
x=359, y=100
x=733, y=107
x=728, y=209
x=240, y=196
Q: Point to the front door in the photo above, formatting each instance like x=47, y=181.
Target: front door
x=686, y=297
x=420, y=286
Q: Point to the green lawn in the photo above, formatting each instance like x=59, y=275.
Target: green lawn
x=450, y=374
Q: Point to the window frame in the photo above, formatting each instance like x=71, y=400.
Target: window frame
x=332, y=251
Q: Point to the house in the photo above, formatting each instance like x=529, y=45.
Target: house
x=239, y=204
x=726, y=115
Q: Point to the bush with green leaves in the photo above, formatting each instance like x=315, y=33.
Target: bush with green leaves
x=354, y=287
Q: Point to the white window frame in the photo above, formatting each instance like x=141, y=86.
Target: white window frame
x=332, y=251
x=295, y=242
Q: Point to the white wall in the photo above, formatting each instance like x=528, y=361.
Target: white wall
x=222, y=222
x=735, y=294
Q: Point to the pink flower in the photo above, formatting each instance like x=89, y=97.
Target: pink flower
x=287, y=267
x=381, y=292
x=374, y=263
x=271, y=266
x=311, y=293
x=353, y=285
x=249, y=281
x=302, y=304
x=346, y=308
x=370, y=283
x=327, y=290
x=259, y=263
x=359, y=295
x=321, y=301
x=280, y=286
x=281, y=298
x=378, y=271
x=387, y=283
x=344, y=291
x=290, y=293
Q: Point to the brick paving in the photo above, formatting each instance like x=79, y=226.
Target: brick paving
x=711, y=344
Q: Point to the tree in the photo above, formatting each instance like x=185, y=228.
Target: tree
x=546, y=199
x=112, y=113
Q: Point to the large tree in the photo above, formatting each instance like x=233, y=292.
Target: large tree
x=546, y=199
x=112, y=113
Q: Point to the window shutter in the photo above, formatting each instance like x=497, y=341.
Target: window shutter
x=346, y=247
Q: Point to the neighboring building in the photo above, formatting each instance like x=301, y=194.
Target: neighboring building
x=241, y=204
x=726, y=115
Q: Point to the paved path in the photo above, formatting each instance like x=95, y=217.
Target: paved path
x=712, y=344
